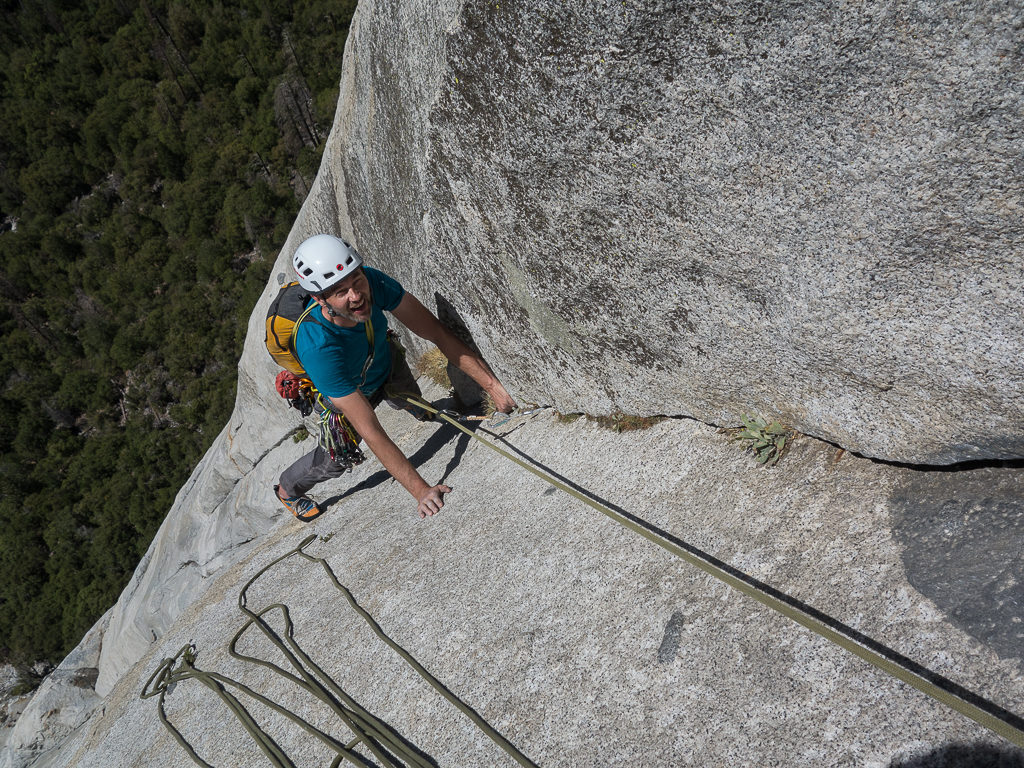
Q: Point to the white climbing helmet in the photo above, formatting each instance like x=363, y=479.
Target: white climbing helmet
x=323, y=260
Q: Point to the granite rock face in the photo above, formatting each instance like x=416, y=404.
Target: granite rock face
x=62, y=703
x=584, y=644
x=809, y=212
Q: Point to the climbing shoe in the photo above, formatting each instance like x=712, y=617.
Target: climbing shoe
x=303, y=507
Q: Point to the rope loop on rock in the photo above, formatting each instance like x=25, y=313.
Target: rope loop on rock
x=386, y=745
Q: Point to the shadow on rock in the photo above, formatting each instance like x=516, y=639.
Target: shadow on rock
x=962, y=536
x=434, y=443
x=964, y=756
x=467, y=391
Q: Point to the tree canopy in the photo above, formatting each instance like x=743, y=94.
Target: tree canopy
x=152, y=158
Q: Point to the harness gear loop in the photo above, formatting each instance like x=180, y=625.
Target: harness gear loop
x=337, y=436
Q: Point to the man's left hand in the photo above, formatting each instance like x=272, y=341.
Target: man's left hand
x=503, y=401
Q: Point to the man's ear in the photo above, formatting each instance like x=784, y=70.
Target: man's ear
x=320, y=299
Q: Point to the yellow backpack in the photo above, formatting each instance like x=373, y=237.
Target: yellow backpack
x=287, y=310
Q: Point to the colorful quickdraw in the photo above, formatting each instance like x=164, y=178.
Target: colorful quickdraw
x=337, y=435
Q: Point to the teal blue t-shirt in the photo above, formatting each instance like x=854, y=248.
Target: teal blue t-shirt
x=334, y=356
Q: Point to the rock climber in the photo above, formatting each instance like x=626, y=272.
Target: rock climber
x=355, y=365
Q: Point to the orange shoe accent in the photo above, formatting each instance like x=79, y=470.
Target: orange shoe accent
x=303, y=507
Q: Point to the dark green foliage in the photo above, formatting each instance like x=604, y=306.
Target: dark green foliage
x=152, y=159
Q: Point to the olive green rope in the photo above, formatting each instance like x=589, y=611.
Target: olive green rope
x=387, y=746
x=998, y=720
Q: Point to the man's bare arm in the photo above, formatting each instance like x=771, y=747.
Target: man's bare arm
x=361, y=416
x=421, y=321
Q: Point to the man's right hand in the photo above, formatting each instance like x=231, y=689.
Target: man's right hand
x=503, y=401
x=430, y=503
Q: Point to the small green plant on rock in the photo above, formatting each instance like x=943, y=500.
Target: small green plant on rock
x=300, y=434
x=29, y=678
x=23, y=687
x=766, y=440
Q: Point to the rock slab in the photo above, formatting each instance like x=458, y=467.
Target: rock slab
x=808, y=212
x=707, y=211
x=579, y=641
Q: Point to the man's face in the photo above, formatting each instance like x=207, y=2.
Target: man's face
x=349, y=298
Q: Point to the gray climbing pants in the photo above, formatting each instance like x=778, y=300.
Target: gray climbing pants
x=317, y=465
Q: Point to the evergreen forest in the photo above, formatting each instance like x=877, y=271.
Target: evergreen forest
x=153, y=156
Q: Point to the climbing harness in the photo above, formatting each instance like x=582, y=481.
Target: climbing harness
x=384, y=743
x=336, y=434
x=1000, y=721
x=287, y=312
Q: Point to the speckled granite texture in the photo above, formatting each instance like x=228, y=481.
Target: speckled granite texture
x=810, y=211
x=584, y=644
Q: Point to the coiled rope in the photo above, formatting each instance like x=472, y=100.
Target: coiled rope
x=1000, y=721
x=386, y=745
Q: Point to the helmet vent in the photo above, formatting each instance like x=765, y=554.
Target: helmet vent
x=328, y=275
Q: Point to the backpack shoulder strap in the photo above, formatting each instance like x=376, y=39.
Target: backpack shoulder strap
x=295, y=328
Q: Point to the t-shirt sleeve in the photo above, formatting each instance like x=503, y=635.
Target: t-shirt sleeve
x=387, y=292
